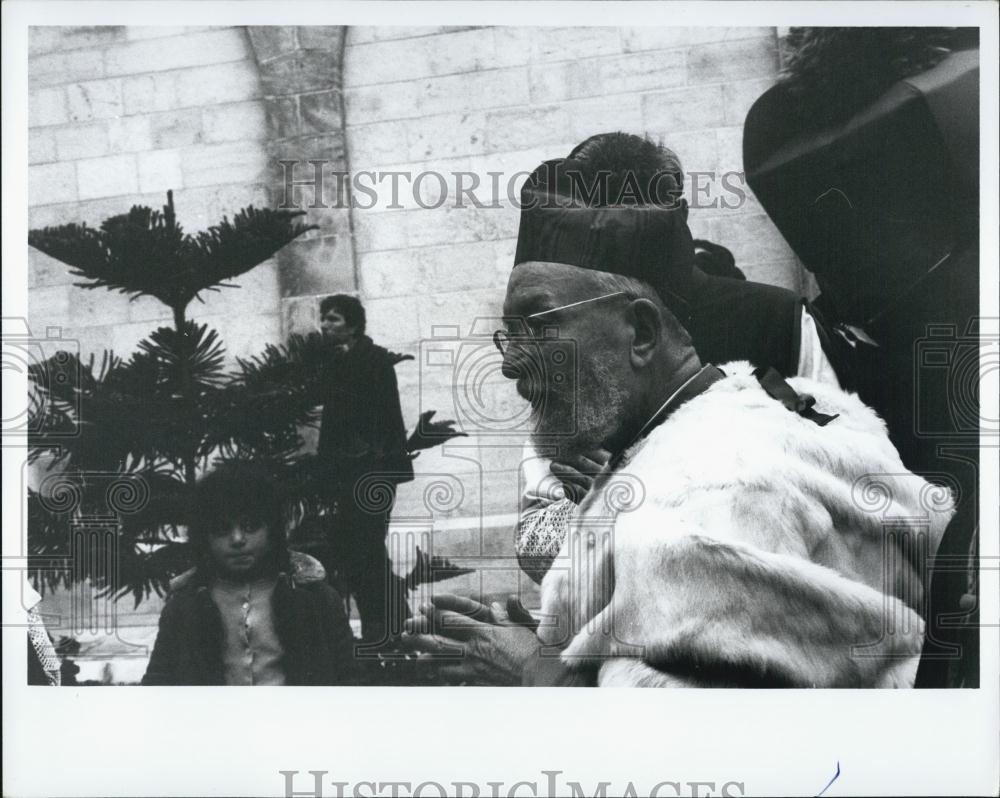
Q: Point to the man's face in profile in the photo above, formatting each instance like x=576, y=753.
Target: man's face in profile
x=570, y=360
x=334, y=326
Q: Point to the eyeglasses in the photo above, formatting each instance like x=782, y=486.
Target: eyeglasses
x=503, y=339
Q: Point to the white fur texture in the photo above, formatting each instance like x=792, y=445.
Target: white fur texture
x=758, y=549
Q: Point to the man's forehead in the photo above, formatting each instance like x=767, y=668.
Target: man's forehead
x=536, y=283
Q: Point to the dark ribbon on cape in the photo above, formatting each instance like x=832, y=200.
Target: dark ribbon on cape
x=776, y=387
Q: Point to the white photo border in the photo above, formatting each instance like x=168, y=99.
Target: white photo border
x=205, y=741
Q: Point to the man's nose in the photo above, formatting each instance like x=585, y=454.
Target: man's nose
x=237, y=536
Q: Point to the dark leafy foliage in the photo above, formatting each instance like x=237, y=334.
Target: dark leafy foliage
x=274, y=393
x=146, y=252
x=179, y=361
x=119, y=442
x=152, y=409
x=107, y=527
x=124, y=439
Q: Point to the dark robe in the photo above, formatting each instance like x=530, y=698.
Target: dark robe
x=734, y=319
x=362, y=429
x=883, y=208
x=362, y=445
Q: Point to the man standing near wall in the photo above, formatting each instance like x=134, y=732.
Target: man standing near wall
x=363, y=445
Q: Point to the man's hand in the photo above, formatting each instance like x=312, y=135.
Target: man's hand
x=429, y=434
x=480, y=644
x=577, y=474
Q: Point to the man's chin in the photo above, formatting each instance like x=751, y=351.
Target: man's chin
x=571, y=433
x=566, y=443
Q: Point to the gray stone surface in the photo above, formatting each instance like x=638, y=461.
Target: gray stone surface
x=300, y=72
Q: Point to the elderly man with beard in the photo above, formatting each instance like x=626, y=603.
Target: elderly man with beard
x=728, y=318
x=732, y=539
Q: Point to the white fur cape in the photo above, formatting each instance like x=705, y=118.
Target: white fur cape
x=740, y=544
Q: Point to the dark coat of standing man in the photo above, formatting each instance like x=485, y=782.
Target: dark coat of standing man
x=364, y=448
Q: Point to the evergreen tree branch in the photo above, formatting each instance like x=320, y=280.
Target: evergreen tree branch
x=146, y=252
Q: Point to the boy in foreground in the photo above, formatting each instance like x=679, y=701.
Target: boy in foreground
x=251, y=612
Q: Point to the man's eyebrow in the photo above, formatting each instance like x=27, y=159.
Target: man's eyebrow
x=534, y=303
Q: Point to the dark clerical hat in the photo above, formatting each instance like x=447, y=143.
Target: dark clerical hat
x=575, y=215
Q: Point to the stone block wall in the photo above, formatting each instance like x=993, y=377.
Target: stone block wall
x=300, y=73
x=116, y=117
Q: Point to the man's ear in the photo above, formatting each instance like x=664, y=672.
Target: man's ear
x=647, y=330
